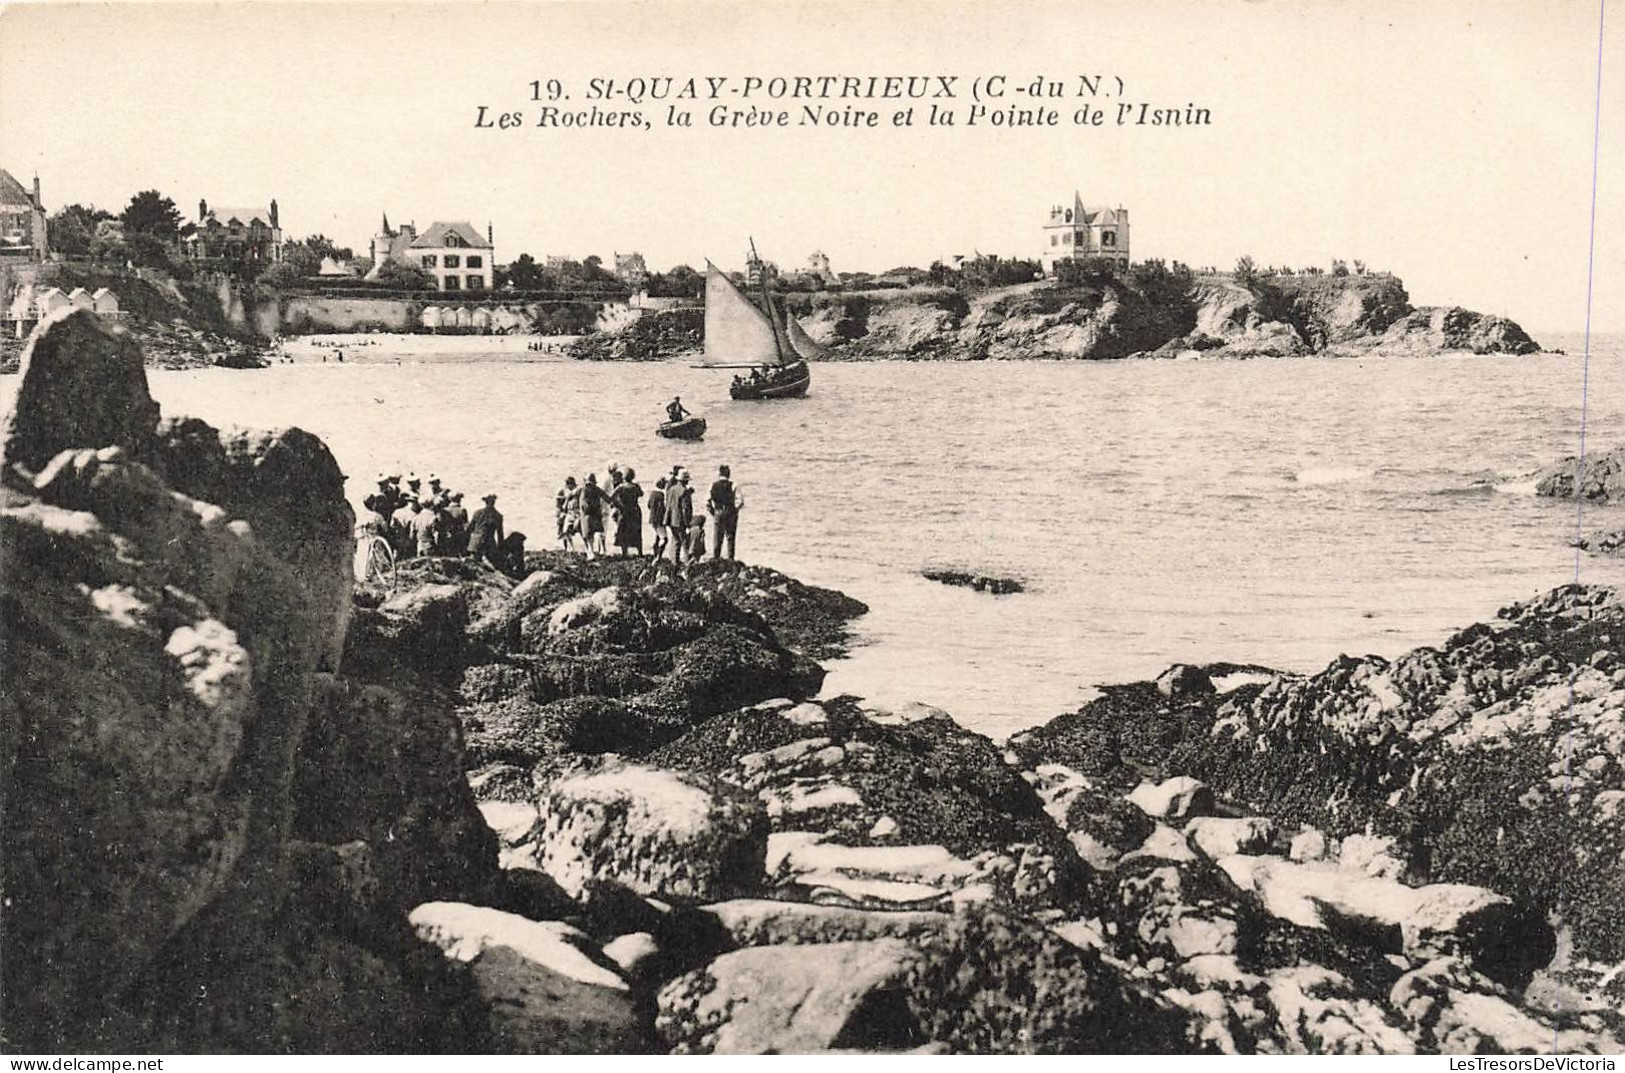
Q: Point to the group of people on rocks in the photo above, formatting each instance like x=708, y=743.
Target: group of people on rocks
x=598, y=515
x=416, y=518
x=402, y=522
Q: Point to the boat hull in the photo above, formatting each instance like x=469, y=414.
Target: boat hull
x=690, y=428
x=789, y=389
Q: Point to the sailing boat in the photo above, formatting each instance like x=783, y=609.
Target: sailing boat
x=739, y=334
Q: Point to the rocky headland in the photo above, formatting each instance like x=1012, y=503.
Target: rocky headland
x=1108, y=317
x=249, y=806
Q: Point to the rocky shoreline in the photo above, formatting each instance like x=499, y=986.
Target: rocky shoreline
x=1108, y=318
x=589, y=810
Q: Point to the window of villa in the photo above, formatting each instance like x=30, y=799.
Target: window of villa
x=476, y=283
x=1082, y=238
x=1108, y=238
x=1066, y=239
x=1055, y=240
x=453, y=283
x=475, y=262
x=429, y=260
x=453, y=240
x=452, y=261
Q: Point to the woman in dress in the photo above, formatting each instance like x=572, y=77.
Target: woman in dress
x=627, y=503
x=568, y=504
x=592, y=515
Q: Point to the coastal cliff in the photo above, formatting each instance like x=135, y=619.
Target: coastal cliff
x=179, y=324
x=1146, y=313
x=1111, y=317
x=250, y=806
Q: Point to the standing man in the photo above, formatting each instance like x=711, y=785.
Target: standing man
x=485, y=534
x=657, y=518
x=426, y=528
x=456, y=524
x=676, y=520
x=723, y=507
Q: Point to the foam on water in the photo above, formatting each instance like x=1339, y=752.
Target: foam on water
x=1146, y=503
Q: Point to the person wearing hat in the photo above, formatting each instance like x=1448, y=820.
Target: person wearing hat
x=679, y=512
x=657, y=518
x=592, y=515
x=626, y=504
x=456, y=519
x=723, y=506
x=485, y=534
x=426, y=528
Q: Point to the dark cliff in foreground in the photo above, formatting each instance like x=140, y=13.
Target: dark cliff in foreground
x=1149, y=312
x=248, y=806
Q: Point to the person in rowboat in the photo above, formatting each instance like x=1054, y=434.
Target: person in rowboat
x=674, y=409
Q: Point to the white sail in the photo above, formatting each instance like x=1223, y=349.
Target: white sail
x=802, y=343
x=736, y=332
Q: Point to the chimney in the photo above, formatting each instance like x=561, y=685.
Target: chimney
x=489, y=241
x=202, y=210
x=273, y=213
x=38, y=204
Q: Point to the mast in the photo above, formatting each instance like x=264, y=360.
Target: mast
x=767, y=300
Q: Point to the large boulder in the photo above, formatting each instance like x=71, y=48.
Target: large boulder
x=284, y=483
x=548, y=989
x=82, y=383
x=160, y=669
x=758, y=1001
x=383, y=764
x=678, y=837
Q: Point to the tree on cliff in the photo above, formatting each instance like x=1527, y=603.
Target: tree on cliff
x=73, y=230
x=151, y=213
x=523, y=274
x=306, y=254
x=1246, y=271
x=680, y=282
x=152, y=224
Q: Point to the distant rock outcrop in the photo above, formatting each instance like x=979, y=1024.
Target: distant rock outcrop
x=1602, y=480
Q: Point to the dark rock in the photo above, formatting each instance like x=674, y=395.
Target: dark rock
x=999, y=586
x=384, y=764
x=1601, y=481
x=81, y=385
x=998, y=984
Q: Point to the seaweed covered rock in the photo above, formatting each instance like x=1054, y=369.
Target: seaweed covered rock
x=871, y=812
x=1488, y=760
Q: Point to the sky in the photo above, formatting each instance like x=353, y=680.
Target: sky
x=1449, y=143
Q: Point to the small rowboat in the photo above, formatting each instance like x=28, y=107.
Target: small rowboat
x=689, y=428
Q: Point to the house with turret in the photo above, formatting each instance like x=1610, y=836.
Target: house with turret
x=454, y=253
x=1076, y=232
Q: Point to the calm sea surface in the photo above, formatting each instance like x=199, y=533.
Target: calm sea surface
x=1270, y=511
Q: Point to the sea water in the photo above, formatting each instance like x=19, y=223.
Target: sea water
x=1274, y=511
